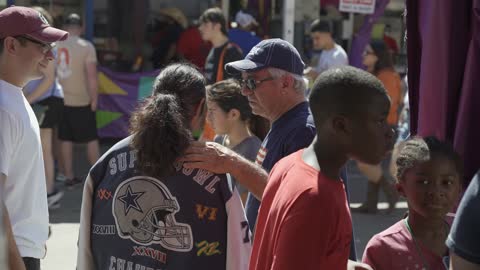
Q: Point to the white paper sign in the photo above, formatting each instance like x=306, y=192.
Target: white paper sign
x=357, y=6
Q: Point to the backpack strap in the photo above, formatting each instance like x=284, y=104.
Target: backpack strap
x=221, y=61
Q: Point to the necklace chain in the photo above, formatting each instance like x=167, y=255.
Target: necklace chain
x=417, y=246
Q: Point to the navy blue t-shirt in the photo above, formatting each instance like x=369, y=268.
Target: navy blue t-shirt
x=246, y=40
x=465, y=233
x=293, y=131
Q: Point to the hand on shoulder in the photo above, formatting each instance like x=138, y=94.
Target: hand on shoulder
x=209, y=156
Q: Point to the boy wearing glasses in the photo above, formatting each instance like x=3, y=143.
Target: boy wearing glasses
x=25, y=49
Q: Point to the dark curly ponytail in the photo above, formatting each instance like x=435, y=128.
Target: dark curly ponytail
x=161, y=126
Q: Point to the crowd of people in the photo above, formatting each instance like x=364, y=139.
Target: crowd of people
x=265, y=188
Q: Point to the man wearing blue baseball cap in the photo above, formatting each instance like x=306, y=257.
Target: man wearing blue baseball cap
x=272, y=79
x=273, y=82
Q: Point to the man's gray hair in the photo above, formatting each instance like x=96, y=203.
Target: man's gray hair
x=300, y=82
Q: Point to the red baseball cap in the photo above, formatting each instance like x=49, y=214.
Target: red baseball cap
x=17, y=21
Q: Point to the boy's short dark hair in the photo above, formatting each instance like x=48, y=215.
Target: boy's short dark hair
x=214, y=15
x=345, y=90
x=320, y=26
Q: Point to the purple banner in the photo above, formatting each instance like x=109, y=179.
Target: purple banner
x=119, y=94
x=443, y=67
x=363, y=36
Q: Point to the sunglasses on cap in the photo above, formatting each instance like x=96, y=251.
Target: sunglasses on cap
x=251, y=83
x=46, y=47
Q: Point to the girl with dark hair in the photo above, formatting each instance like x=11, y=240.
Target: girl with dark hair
x=142, y=209
x=168, y=116
x=230, y=115
x=378, y=60
x=429, y=174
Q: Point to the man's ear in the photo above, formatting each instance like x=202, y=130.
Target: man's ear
x=9, y=45
x=287, y=81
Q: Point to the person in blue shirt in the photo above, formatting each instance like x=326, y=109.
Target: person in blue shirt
x=273, y=82
x=464, y=235
x=243, y=35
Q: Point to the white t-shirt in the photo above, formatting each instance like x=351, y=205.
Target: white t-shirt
x=334, y=57
x=21, y=160
x=73, y=56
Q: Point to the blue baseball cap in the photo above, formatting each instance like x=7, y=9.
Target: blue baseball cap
x=276, y=53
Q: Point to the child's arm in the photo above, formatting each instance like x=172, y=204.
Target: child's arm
x=84, y=255
x=15, y=261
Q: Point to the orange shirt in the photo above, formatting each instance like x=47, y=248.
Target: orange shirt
x=392, y=83
x=208, y=133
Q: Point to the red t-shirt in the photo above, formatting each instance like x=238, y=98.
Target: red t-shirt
x=304, y=220
x=191, y=46
x=391, y=43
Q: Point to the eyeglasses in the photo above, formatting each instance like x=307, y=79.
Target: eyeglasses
x=251, y=83
x=46, y=47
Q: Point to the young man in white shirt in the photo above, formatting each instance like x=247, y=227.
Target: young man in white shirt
x=332, y=55
x=26, y=41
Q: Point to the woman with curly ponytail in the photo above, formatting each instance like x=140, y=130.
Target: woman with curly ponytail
x=143, y=209
x=167, y=117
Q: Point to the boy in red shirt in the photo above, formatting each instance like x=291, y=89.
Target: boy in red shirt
x=304, y=220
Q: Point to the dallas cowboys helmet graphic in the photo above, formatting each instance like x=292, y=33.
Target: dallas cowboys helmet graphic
x=144, y=212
